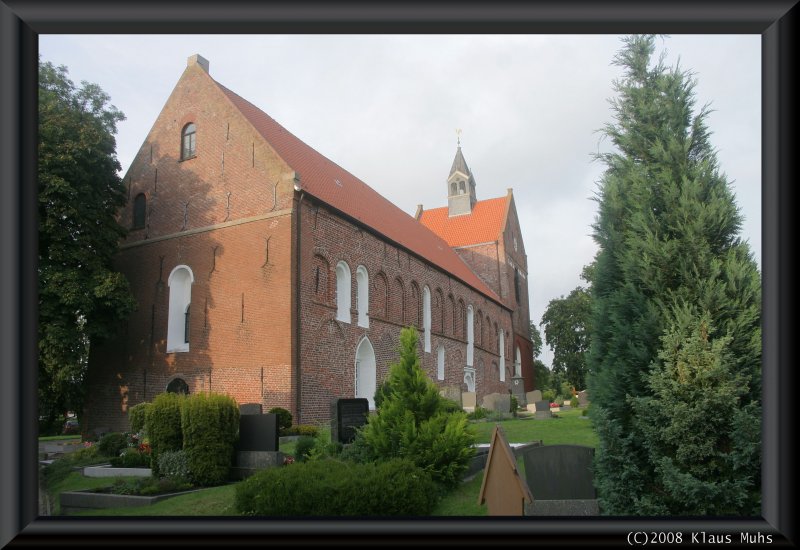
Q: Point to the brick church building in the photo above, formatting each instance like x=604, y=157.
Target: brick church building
x=265, y=271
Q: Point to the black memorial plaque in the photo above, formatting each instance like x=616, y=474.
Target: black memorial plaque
x=258, y=432
x=560, y=472
x=348, y=414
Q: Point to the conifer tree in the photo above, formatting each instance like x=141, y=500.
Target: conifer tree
x=413, y=421
x=669, y=258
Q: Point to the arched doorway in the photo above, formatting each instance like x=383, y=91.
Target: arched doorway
x=365, y=371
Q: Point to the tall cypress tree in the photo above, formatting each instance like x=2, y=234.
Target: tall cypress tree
x=669, y=259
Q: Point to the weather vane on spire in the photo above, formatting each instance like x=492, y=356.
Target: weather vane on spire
x=458, y=136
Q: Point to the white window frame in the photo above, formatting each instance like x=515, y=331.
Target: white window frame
x=470, y=335
x=501, y=336
x=426, y=317
x=362, y=296
x=180, y=284
x=343, y=292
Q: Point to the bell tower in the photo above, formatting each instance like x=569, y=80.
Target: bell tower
x=460, y=186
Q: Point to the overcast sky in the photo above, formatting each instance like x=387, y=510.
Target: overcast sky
x=386, y=108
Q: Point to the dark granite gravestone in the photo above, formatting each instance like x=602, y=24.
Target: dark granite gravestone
x=258, y=432
x=560, y=472
x=347, y=415
x=542, y=406
x=250, y=408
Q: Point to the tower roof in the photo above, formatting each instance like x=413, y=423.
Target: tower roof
x=459, y=164
x=483, y=225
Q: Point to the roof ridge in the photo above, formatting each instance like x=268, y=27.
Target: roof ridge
x=328, y=182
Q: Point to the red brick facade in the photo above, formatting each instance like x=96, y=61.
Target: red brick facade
x=263, y=254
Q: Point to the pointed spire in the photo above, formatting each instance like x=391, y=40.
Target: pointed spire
x=460, y=184
x=459, y=164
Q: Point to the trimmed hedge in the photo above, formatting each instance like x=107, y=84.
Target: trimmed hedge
x=210, y=426
x=333, y=488
x=137, y=415
x=284, y=419
x=163, y=425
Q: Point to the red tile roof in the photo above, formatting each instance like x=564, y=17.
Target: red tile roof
x=332, y=184
x=483, y=225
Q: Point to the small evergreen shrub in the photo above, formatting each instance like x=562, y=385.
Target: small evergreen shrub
x=112, y=444
x=477, y=414
x=284, y=419
x=549, y=395
x=573, y=402
x=514, y=405
x=131, y=458
x=136, y=416
x=174, y=464
x=210, y=424
x=392, y=488
x=303, y=447
x=163, y=425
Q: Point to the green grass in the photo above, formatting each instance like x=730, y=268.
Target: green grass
x=60, y=437
x=568, y=429
x=214, y=501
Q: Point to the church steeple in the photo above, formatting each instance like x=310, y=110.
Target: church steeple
x=460, y=186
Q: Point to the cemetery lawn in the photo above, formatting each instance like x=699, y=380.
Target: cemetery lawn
x=569, y=428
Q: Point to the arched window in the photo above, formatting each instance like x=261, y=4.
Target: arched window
x=180, y=297
x=518, y=364
x=440, y=362
x=365, y=372
x=379, y=296
x=426, y=317
x=453, y=188
x=139, y=211
x=501, y=339
x=178, y=385
x=188, y=141
x=461, y=188
x=362, y=296
x=470, y=336
x=516, y=284
x=343, y=292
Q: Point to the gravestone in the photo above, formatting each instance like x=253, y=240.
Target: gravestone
x=347, y=415
x=250, y=408
x=258, y=432
x=257, y=447
x=543, y=409
x=453, y=393
x=583, y=398
x=534, y=396
x=560, y=472
x=518, y=390
x=469, y=401
x=499, y=402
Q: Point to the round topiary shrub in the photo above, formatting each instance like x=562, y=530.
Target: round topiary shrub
x=393, y=488
x=112, y=444
x=284, y=418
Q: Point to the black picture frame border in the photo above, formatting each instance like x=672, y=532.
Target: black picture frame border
x=21, y=21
